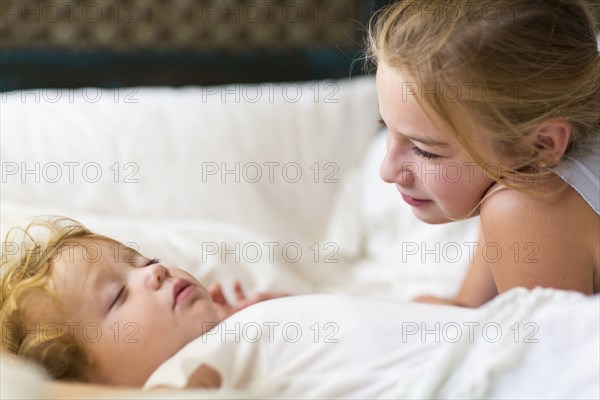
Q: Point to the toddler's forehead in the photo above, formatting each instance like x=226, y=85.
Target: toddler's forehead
x=81, y=262
x=91, y=259
x=96, y=251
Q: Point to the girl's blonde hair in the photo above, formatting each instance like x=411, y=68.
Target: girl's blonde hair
x=498, y=67
x=28, y=257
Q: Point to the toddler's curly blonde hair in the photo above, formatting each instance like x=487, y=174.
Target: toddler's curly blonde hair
x=28, y=256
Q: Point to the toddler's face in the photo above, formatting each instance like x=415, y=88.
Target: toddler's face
x=432, y=174
x=129, y=313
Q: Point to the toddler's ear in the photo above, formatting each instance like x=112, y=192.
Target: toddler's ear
x=551, y=140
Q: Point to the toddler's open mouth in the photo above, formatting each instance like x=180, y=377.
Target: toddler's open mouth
x=181, y=291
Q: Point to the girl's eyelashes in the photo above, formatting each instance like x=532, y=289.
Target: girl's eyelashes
x=421, y=153
x=424, y=154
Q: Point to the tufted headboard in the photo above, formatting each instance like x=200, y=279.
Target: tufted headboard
x=113, y=43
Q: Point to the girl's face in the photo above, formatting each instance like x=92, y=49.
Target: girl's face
x=438, y=180
x=128, y=312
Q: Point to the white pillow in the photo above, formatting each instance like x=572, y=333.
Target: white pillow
x=157, y=148
x=20, y=379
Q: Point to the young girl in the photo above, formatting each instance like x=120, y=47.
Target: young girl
x=492, y=108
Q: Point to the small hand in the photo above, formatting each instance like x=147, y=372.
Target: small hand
x=225, y=309
x=204, y=377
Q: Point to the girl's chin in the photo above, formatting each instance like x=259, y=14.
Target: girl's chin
x=440, y=218
x=432, y=217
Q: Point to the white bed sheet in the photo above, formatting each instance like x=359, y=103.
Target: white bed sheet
x=340, y=347
x=315, y=346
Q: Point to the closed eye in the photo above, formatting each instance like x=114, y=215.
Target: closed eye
x=424, y=154
x=117, y=297
x=122, y=290
x=153, y=261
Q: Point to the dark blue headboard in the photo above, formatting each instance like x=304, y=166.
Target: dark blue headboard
x=178, y=42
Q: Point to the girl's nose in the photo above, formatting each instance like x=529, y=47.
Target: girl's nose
x=156, y=276
x=393, y=169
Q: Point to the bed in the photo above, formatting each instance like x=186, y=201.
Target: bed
x=275, y=184
x=251, y=151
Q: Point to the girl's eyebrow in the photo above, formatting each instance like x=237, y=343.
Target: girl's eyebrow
x=428, y=142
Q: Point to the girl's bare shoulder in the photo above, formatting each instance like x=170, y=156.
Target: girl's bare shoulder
x=550, y=242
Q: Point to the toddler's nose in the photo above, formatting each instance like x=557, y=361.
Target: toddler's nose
x=157, y=275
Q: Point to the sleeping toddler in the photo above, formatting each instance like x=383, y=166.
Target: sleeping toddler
x=92, y=310
x=107, y=321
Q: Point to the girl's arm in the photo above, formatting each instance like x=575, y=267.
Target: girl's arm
x=478, y=287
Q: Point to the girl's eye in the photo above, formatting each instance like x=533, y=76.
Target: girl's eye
x=382, y=123
x=423, y=153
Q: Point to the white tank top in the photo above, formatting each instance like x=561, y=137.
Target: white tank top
x=580, y=168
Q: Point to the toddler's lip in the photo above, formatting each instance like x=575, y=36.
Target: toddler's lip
x=179, y=287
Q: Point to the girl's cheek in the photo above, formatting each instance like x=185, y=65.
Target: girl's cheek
x=442, y=189
x=450, y=184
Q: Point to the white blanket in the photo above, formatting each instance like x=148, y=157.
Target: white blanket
x=314, y=346
x=324, y=346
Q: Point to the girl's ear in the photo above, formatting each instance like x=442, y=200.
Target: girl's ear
x=550, y=141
